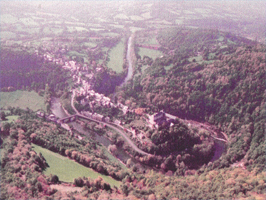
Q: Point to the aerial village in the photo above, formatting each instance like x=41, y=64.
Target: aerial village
x=83, y=90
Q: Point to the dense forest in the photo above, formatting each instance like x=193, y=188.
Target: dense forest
x=22, y=70
x=224, y=88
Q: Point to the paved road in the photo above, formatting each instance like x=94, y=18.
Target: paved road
x=129, y=141
x=72, y=101
x=201, y=125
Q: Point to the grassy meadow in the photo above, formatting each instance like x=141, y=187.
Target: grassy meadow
x=11, y=118
x=22, y=99
x=116, y=57
x=149, y=52
x=67, y=170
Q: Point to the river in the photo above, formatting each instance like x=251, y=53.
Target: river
x=130, y=61
x=59, y=112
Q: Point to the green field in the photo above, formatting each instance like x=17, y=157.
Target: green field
x=197, y=59
x=151, y=40
x=22, y=99
x=221, y=38
x=134, y=29
x=7, y=34
x=7, y=18
x=146, y=15
x=116, y=57
x=136, y=18
x=75, y=53
x=90, y=44
x=149, y=52
x=110, y=34
x=11, y=118
x=28, y=22
x=97, y=29
x=121, y=16
x=168, y=67
x=67, y=170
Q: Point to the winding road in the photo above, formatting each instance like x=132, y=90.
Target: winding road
x=223, y=137
x=217, y=136
x=110, y=125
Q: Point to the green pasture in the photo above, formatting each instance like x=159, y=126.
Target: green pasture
x=188, y=12
x=136, y=18
x=230, y=41
x=97, y=29
x=179, y=21
x=117, y=25
x=22, y=99
x=160, y=22
x=73, y=23
x=221, y=38
x=67, y=170
x=11, y=118
x=223, y=46
x=90, y=44
x=211, y=56
x=28, y=22
x=134, y=29
x=176, y=12
x=93, y=25
x=7, y=18
x=7, y=34
x=151, y=40
x=56, y=30
x=168, y=67
x=46, y=38
x=32, y=30
x=110, y=34
x=203, y=10
x=79, y=28
x=149, y=52
x=71, y=29
x=144, y=67
x=121, y=16
x=146, y=15
x=197, y=58
x=75, y=53
x=116, y=57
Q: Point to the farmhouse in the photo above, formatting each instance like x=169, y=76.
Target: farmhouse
x=97, y=116
x=157, y=119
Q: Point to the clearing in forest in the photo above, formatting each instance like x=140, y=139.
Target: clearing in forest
x=67, y=170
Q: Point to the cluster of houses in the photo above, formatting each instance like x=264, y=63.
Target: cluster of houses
x=50, y=58
x=100, y=99
x=95, y=116
x=99, y=117
x=92, y=95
